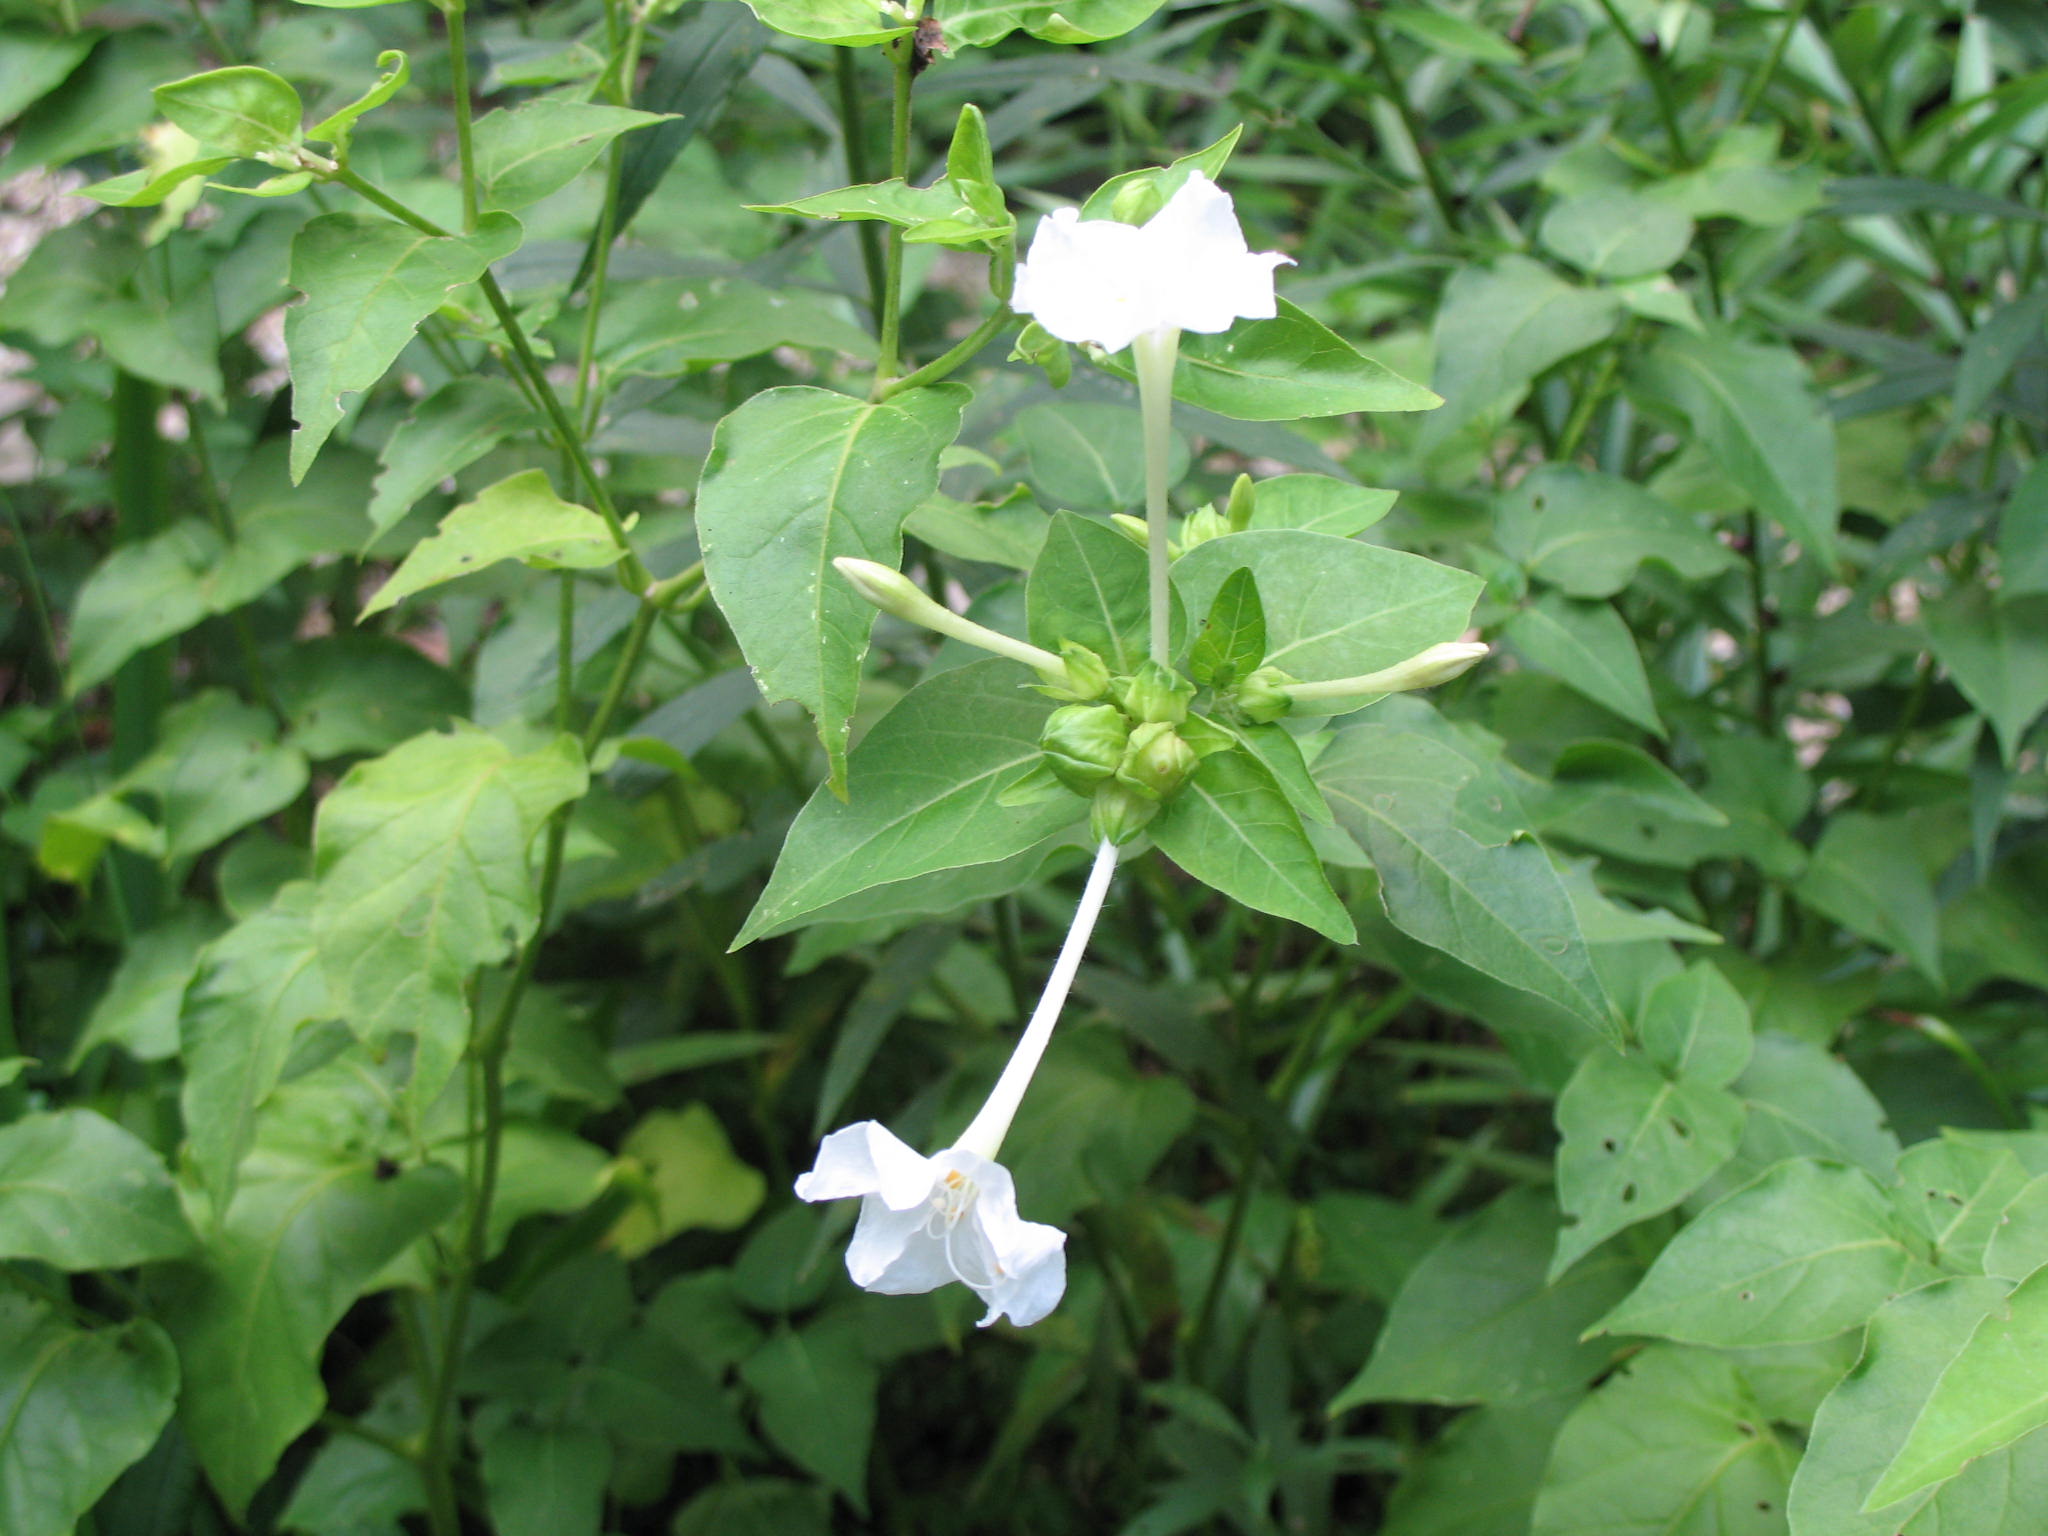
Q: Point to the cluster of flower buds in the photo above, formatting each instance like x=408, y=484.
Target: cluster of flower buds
x=1199, y=526
x=1125, y=758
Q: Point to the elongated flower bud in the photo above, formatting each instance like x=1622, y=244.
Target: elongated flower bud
x=1238, y=510
x=893, y=592
x=1425, y=669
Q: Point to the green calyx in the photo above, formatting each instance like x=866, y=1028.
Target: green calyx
x=1155, y=693
x=1156, y=762
x=1263, y=697
x=1085, y=744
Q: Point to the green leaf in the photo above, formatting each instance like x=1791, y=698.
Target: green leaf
x=2020, y=1244
x=1807, y=1250
x=1319, y=504
x=1165, y=180
x=1334, y=607
x=147, y=188
x=1232, y=640
x=543, y=1480
x=1865, y=1421
x=1092, y=457
x=1587, y=532
x=309, y=1229
x=1477, y=1322
x=447, y=432
x=1498, y=328
x=1755, y=414
x=424, y=875
x=1231, y=827
x=941, y=214
x=1675, y=1442
x=1634, y=1143
x=796, y=478
x=2023, y=535
x=1989, y=353
x=1989, y=1395
x=138, y=595
x=526, y=152
x=519, y=518
x=850, y=23
x=817, y=1393
x=34, y=63
x=758, y=1506
x=244, y=110
x=1614, y=233
x=79, y=1192
x=217, y=768
x=337, y=127
x=922, y=795
x=1995, y=646
x=76, y=1409
x=1089, y=585
x=368, y=283
x=1447, y=33
x=1957, y=1195
x=1479, y=1477
x=255, y=987
x=1804, y=1102
x=139, y=1009
x=693, y=1180
x=1500, y=909
x=1866, y=875
x=662, y=327
x=1587, y=646
x=352, y=693
x=1283, y=369
x=1088, y=21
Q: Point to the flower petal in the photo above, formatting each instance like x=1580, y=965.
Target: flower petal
x=1088, y=281
x=868, y=1159
x=1026, y=1261
x=892, y=1252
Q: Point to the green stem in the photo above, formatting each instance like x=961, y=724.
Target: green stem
x=952, y=358
x=853, y=137
x=589, y=399
x=1795, y=13
x=1759, y=598
x=1660, y=85
x=1583, y=407
x=889, y=357
x=1155, y=354
x=1945, y=1035
x=1397, y=94
x=458, y=72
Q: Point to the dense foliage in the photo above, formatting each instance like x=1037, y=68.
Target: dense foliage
x=1597, y=1094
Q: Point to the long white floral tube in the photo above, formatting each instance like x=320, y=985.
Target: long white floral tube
x=985, y=1135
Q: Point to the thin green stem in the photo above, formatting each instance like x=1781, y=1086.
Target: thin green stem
x=1660, y=85
x=458, y=72
x=211, y=28
x=626, y=61
x=1760, y=615
x=1397, y=95
x=890, y=347
x=1945, y=1035
x=853, y=136
x=1583, y=407
x=1155, y=354
x=1753, y=93
x=937, y=369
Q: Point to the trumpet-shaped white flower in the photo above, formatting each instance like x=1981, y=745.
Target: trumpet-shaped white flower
x=927, y=1220
x=1187, y=268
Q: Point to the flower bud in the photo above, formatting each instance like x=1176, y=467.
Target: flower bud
x=1136, y=203
x=1200, y=527
x=1156, y=762
x=1238, y=510
x=1425, y=669
x=1132, y=528
x=1084, y=744
x=1154, y=693
x=1087, y=675
x=1116, y=815
x=1263, y=698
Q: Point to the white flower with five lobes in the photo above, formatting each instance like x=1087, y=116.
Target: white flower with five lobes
x=925, y=1221
x=1187, y=268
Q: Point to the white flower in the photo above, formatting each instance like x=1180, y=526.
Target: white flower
x=927, y=1220
x=1187, y=268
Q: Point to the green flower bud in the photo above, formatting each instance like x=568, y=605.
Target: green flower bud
x=1263, y=698
x=1238, y=511
x=1116, y=815
x=1132, y=528
x=1136, y=203
x=1087, y=675
x=1156, y=762
x=1084, y=744
x=1154, y=693
x=1200, y=527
